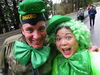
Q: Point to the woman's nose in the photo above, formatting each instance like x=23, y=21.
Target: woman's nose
x=64, y=42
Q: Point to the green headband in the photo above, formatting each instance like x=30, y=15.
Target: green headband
x=80, y=31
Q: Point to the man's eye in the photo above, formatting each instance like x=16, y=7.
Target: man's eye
x=41, y=28
x=29, y=30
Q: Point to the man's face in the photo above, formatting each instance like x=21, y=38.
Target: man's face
x=35, y=34
x=91, y=7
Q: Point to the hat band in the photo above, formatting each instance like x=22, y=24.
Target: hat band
x=32, y=19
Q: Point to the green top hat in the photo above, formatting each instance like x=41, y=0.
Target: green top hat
x=31, y=6
x=55, y=20
x=32, y=11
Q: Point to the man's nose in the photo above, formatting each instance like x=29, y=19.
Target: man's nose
x=36, y=34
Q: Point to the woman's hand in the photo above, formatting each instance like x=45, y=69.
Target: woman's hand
x=94, y=48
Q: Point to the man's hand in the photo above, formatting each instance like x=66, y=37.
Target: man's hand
x=94, y=48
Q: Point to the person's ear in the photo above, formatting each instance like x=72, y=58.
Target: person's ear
x=22, y=30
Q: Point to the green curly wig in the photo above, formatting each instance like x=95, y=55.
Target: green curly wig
x=80, y=31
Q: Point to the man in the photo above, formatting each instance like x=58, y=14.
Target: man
x=26, y=53
x=92, y=13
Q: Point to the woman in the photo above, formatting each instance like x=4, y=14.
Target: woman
x=72, y=40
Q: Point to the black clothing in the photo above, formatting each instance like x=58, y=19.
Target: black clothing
x=92, y=16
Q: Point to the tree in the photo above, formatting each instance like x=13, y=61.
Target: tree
x=10, y=15
x=48, y=8
x=2, y=20
x=15, y=10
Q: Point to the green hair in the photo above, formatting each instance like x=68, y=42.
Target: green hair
x=80, y=31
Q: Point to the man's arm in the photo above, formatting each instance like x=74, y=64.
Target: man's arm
x=3, y=64
x=94, y=48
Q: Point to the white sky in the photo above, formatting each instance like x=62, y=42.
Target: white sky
x=56, y=1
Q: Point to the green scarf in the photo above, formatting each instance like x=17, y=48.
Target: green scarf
x=23, y=53
x=78, y=63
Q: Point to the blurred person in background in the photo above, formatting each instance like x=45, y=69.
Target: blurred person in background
x=92, y=12
x=80, y=15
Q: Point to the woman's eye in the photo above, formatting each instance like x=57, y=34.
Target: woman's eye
x=58, y=39
x=68, y=37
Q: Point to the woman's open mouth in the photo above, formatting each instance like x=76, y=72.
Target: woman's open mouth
x=66, y=51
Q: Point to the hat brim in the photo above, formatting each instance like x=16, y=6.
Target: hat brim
x=56, y=22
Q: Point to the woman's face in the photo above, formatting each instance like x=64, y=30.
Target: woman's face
x=66, y=42
x=35, y=34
